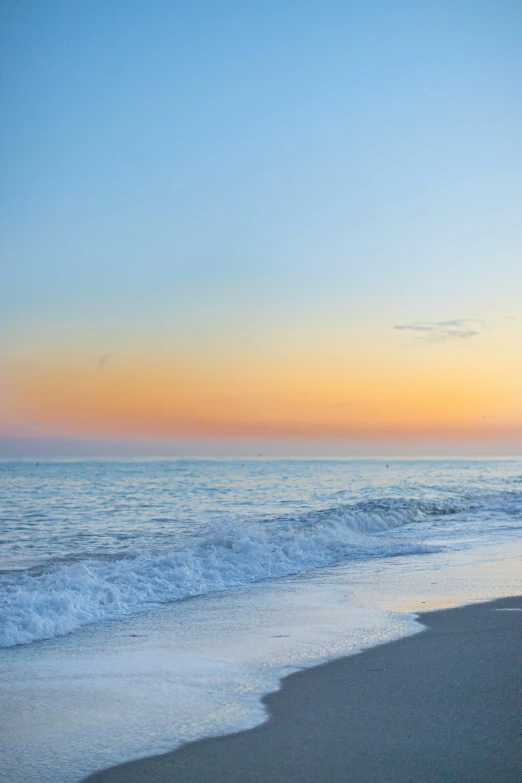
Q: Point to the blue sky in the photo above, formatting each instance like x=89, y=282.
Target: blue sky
x=176, y=171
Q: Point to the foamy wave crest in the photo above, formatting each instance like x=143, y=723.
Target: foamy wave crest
x=69, y=596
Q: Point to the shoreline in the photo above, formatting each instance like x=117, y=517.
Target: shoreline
x=441, y=705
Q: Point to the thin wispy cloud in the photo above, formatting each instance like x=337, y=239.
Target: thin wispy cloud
x=441, y=331
x=103, y=360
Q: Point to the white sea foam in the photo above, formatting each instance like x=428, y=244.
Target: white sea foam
x=38, y=606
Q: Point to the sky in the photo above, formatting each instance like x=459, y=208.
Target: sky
x=288, y=228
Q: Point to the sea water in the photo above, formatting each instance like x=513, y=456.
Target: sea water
x=148, y=603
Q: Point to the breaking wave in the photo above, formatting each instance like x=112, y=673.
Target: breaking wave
x=67, y=596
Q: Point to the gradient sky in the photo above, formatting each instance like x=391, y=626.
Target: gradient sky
x=288, y=227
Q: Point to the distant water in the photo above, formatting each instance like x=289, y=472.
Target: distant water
x=87, y=542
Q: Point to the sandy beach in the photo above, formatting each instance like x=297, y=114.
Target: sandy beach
x=442, y=706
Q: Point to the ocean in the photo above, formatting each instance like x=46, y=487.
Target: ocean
x=146, y=603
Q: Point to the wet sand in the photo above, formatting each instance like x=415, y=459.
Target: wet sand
x=443, y=706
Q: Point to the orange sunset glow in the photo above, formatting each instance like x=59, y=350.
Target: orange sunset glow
x=339, y=395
